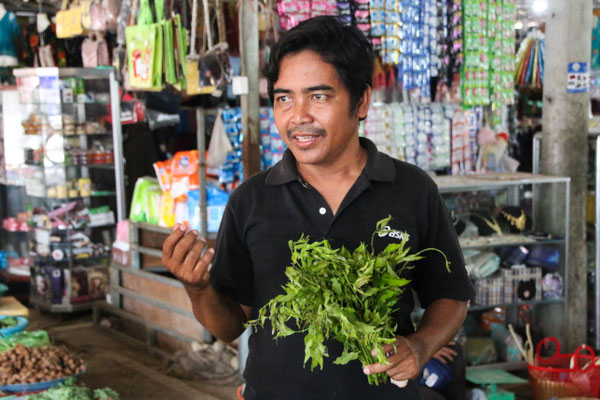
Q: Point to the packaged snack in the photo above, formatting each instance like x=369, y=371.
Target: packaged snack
x=184, y=172
x=163, y=174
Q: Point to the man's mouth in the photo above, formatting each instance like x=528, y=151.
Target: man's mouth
x=305, y=132
x=305, y=138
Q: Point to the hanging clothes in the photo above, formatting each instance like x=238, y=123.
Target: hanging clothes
x=9, y=34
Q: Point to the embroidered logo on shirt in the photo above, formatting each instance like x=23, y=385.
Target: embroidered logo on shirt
x=393, y=233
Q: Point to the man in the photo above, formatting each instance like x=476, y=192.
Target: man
x=331, y=185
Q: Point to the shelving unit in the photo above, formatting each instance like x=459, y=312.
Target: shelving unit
x=509, y=189
x=73, y=164
x=594, y=135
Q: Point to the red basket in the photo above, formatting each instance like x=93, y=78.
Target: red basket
x=563, y=375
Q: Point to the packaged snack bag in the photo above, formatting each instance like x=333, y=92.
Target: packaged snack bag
x=163, y=174
x=184, y=171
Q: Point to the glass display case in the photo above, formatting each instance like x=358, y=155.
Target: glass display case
x=515, y=254
x=73, y=178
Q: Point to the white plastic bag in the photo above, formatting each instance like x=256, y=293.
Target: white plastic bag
x=219, y=144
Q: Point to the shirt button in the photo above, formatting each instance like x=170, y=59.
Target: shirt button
x=322, y=210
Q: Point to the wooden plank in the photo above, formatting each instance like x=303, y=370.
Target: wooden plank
x=162, y=292
x=11, y=306
x=166, y=319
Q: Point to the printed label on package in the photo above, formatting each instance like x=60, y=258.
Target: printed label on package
x=578, y=77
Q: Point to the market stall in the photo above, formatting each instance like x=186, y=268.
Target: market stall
x=130, y=118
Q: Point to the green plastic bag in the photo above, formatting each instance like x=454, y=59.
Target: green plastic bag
x=170, y=74
x=145, y=50
x=145, y=203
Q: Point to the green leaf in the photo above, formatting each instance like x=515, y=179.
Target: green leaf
x=382, y=223
x=335, y=285
x=346, y=357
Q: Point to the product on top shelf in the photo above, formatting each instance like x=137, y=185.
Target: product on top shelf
x=489, y=43
x=418, y=134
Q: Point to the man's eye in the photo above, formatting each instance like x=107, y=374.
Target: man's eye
x=319, y=96
x=283, y=99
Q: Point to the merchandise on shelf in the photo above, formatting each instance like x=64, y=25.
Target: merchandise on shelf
x=69, y=286
x=391, y=41
x=465, y=125
x=231, y=171
x=272, y=146
x=378, y=16
x=70, y=178
x=489, y=43
x=502, y=17
x=415, y=59
x=418, y=134
x=529, y=70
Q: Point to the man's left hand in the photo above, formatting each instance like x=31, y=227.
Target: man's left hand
x=404, y=363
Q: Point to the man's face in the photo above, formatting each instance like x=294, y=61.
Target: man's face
x=311, y=108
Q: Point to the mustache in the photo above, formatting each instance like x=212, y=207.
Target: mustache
x=306, y=129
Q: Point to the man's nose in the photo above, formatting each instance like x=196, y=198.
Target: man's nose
x=301, y=112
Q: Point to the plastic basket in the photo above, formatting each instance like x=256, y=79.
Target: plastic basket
x=22, y=323
x=563, y=375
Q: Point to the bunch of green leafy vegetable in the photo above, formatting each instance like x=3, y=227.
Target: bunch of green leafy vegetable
x=27, y=339
x=68, y=391
x=334, y=293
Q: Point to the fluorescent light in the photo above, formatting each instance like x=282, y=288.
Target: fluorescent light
x=518, y=25
x=539, y=6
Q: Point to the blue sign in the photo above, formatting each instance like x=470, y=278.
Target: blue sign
x=578, y=77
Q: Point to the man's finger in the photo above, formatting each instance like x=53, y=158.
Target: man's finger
x=376, y=368
x=184, y=246
x=203, y=265
x=448, y=353
x=172, y=240
x=400, y=383
x=193, y=256
x=441, y=359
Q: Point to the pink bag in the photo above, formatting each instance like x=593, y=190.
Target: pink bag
x=94, y=51
x=97, y=17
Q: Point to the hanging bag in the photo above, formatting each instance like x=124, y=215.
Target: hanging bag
x=68, y=20
x=145, y=51
x=191, y=65
x=94, y=51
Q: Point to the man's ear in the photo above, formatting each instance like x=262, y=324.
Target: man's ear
x=363, y=104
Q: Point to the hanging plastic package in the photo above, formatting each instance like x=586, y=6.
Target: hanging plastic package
x=145, y=201
x=111, y=14
x=92, y=15
x=219, y=145
x=169, y=52
x=145, y=51
x=94, y=51
x=68, y=20
x=210, y=72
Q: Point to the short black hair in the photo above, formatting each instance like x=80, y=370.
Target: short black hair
x=344, y=47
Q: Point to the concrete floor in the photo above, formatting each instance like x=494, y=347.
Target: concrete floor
x=124, y=364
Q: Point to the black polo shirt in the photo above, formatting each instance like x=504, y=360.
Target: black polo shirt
x=252, y=252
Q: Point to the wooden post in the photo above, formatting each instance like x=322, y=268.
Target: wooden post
x=250, y=102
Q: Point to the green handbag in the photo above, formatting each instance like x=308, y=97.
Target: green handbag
x=145, y=50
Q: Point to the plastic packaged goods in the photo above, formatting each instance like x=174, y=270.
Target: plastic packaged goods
x=418, y=134
x=216, y=200
x=145, y=201
x=391, y=50
x=272, y=146
x=465, y=125
x=489, y=43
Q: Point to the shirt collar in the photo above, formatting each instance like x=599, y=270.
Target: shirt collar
x=380, y=167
